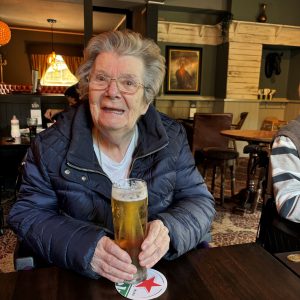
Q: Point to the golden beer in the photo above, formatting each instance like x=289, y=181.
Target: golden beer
x=130, y=215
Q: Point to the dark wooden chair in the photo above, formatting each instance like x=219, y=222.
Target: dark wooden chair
x=238, y=125
x=211, y=149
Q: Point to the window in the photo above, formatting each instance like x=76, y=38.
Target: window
x=60, y=76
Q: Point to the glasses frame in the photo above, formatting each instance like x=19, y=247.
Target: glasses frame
x=139, y=85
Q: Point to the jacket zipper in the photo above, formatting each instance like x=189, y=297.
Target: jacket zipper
x=85, y=170
x=136, y=158
x=130, y=169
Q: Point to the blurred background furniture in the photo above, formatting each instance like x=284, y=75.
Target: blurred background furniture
x=21, y=105
x=258, y=149
x=6, y=88
x=238, y=125
x=272, y=123
x=211, y=149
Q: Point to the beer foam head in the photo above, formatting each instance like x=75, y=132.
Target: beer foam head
x=130, y=190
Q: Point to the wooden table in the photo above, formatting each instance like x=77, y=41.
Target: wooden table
x=235, y=272
x=250, y=136
x=259, y=147
x=294, y=266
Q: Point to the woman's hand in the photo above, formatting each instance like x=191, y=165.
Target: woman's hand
x=155, y=245
x=111, y=262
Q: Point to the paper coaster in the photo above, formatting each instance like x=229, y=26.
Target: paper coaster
x=294, y=257
x=151, y=288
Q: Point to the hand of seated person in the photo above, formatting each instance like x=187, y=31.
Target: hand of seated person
x=113, y=263
x=51, y=112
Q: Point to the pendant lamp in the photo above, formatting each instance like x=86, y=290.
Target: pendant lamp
x=52, y=57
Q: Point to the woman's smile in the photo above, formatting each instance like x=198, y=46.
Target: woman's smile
x=111, y=110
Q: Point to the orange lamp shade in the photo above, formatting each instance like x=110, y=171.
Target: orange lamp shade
x=5, y=33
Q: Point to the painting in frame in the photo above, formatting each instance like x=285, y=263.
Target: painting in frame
x=183, y=70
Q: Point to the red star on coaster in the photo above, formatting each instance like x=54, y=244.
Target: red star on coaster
x=148, y=284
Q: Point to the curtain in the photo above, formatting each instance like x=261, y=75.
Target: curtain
x=72, y=62
x=39, y=63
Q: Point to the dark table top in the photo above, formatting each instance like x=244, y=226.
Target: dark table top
x=235, y=272
x=15, y=142
x=294, y=266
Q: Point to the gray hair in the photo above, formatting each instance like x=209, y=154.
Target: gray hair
x=125, y=43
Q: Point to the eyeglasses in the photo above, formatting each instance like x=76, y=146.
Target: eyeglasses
x=125, y=84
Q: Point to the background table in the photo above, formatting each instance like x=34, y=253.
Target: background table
x=250, y=136
x=260, y=141
x=234, y=272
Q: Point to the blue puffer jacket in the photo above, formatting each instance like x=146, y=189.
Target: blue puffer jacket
x=63, y=207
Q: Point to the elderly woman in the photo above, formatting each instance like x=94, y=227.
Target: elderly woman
x=63, y=212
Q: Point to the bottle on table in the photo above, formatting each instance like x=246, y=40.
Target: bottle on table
x=15, y=127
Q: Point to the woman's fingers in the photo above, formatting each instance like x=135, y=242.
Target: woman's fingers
x=111, y=262
x=156, y=244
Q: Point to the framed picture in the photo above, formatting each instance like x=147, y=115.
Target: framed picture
x=183, y=70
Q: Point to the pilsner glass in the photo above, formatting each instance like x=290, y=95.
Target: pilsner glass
x=130, y=215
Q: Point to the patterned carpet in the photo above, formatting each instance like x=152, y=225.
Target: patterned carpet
x=230, y=228
x=227, y=228
x=8, y=239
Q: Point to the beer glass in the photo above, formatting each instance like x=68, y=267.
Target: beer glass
x=32, y=124
x=130, y=216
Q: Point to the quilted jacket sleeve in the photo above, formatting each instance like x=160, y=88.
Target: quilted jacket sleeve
x=35, y=217
x=191, y=214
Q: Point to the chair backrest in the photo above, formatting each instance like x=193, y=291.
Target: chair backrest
x=241, y=121
x=206, y=130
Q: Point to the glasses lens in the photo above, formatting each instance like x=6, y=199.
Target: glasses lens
x=99, y=81
x=127, y=85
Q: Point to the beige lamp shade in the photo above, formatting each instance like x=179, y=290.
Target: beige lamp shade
x=5, y=33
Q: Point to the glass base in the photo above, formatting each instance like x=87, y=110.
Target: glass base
x=138, y=277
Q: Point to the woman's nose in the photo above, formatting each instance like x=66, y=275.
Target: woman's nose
x=112, y=88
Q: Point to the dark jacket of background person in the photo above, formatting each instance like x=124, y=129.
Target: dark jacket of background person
x=65, y=189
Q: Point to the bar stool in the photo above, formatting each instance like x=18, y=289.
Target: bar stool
x=222, y=159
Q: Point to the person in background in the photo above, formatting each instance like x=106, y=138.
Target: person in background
x=72, y=95
x=63, y=211
x=285, y=166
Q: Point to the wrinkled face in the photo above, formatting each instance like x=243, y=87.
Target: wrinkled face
x=114, y=110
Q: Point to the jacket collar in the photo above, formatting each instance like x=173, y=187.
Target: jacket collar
x=152, y=133
x=152, y=137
